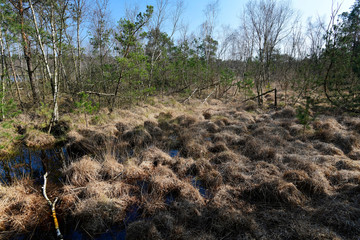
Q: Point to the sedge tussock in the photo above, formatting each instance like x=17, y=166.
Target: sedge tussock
x=233, y=173
x=111, y=168
x=38, y=139
x=228, y=197
x=304, y=183
x=164, y=180
x=142, y=230
x=218, y=147
x=132, y=172
x=287, y=112
x=212, y=179
x=21, y=207
x=96, y=214
x=223, y=157
x=275, y=192
x=185, y=121
x=183, y=166
x=83, y=171
x=157, y=156
x=189, y=193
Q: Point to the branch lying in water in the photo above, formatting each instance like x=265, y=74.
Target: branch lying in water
x=52, y=205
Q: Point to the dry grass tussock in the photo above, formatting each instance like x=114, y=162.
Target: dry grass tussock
x=38, y=139
x=22, y=208
x=238, y=172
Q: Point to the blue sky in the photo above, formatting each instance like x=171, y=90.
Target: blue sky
x=229, y=10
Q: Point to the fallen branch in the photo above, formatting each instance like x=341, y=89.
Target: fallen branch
x=259, y=95
x=52, y=205
x=99, y=94
x=187, y=99
x=273, y=90
x=209, y=96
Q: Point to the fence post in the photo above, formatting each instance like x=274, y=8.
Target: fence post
x=275, y=99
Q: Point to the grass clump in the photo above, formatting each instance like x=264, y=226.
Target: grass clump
x=38, y=139
x=275, y=192
x=304, y=183
x=83, y=171
x=22, y=208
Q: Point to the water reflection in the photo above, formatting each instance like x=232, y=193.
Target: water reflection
x=33, y=164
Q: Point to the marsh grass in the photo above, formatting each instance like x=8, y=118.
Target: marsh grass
x=262, y=179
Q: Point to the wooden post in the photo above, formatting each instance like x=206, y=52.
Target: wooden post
x=275, y=101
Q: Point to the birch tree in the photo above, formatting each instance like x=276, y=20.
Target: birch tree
x=53, y=77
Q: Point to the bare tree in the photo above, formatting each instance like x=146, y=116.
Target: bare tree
x=267, y=23
x=14, y=72
x=315, y=34
x=19, y=6
x=159, y=15
x=78, y=11
x=176, y=16
x=211, y=13
x=100, y=35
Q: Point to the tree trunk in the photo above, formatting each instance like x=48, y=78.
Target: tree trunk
x=14, y=75
x=3, y=72
x=27, y=53
x=78, y=63
x=56, y=84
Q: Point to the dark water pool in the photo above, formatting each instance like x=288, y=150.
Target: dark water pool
x=33, y=163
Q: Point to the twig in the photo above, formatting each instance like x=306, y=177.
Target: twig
x=52, y=205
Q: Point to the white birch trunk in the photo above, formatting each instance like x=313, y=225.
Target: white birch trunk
x=56, y=66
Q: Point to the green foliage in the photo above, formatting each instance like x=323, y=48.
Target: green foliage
x=303, y=114
x=227, y=76
x=7, y=124
x=99, y=119
x=85, y=105
x=246, y=85
x=207, y=48
x=8, y=108
x=132, y=60
x=45, y=111
x=341, y=79
x=127, y=37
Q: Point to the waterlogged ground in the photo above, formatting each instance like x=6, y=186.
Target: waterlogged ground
x=210, y=171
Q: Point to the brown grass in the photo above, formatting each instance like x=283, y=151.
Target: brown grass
x=304, y=183
x=111, y=168
x=275, y=192
x=138, y=136
x=133, y=172
x=83, y=171
x=262, y=178
x=22, y=208
x=38, y=139
x=157, y=157
x=164, y=180
x=287, y=112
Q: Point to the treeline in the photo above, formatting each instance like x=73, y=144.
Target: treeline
x=44, y=57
